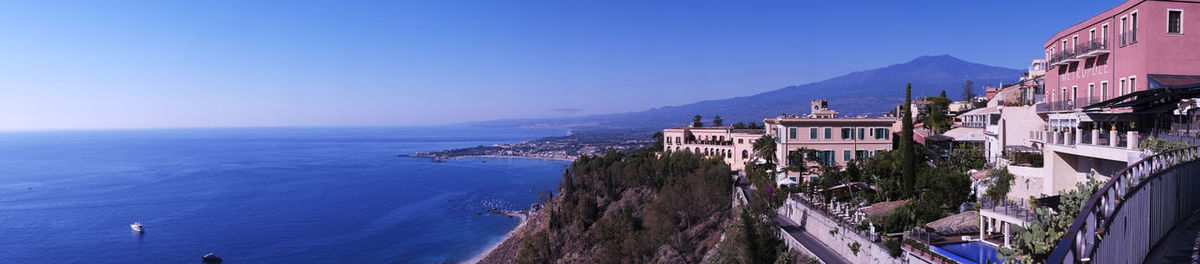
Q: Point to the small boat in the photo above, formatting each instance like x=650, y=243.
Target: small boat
x=211, y=258
x=137, y=227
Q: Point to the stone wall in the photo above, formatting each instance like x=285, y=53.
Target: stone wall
x=819, y=226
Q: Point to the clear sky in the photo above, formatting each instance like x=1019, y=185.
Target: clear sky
x=147, y=64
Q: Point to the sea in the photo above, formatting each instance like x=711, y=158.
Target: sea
x=260, y=195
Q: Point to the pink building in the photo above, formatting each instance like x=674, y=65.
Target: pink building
x=1119, y=55
x=836, y=140
x=1134, y=46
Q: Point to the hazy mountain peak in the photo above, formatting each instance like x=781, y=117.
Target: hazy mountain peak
x=872, y=92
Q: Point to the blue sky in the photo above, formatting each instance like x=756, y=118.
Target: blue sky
x=151, y=64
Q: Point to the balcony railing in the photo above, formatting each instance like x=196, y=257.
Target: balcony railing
x=710, y=142
x=1062, y=57
x=1062, y=105
x=1091, y=49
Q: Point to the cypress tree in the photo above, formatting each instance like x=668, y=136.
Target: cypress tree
x=908, y=173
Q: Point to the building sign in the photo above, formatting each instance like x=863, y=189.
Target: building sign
x=1087, y=74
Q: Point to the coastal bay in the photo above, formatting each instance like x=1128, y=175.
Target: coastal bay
x=311, y=195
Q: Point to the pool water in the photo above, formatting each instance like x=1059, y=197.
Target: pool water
x=969, y=252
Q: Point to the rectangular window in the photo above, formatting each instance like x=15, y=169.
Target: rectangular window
x=1120, y=87
x=1103, y=91
x=1124, y=25
x=812, y=133
x=846, y=133
x=881, y=133
x=791, y=158
x=1104, y=35
x=1091, y=36
x=1091, y=93
x=1133, y=27
x=862, y=133
x=861, y=154
x=828, y=133
x=1132, y=84
x=1174, y=18
x=792, y=133
x=1075, y=43
x=846, y=155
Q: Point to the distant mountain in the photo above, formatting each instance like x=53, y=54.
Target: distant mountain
x=872, y=92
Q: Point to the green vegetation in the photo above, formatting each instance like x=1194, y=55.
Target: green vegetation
x=1157, y=145
x=658, y=141
x=966, y=157
x=969, y=91
x=854, y=247
x=717, y=121
x=1001, y=184
x=764, y=148
x=633, y=208
x=908, y=162
x=937, y=120
x=1035, y=243
x=752, y=125
x=696, y=121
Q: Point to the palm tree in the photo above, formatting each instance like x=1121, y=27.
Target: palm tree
x=764, y=148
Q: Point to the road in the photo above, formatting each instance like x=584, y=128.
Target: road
x=822, y=251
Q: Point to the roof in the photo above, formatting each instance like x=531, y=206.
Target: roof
x=966, y=134
x=840, y=119
x=981, y=174
x=956, y=222
x=882, y=208
x=1149, y=101
x=1162, y=80
x=980, y=111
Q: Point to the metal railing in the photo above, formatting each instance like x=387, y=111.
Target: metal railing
x=1090, y=46
x=1133, y=210
x=1060, y=105
x=1018, y=209
x=710, y=142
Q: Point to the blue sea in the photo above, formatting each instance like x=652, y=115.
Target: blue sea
x=259, y=195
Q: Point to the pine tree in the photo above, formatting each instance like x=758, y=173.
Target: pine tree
x=908, y=163
x=717, y=121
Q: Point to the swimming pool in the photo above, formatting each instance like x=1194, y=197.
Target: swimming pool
x=969, y=252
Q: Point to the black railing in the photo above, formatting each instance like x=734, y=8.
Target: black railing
x=1090, y=46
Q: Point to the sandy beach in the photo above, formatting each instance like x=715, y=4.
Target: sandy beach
x=509, y=235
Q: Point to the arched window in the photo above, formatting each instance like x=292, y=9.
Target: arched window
x=745, y=154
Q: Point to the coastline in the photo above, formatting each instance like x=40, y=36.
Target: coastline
x=488, y=251
x=513, y=157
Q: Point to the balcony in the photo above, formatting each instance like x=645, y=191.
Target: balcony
x=710, y=142
x=1062, y=58
x=1092, y=49
x=1060, y=106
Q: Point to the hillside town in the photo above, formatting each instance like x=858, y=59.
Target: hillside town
x=1060, y=166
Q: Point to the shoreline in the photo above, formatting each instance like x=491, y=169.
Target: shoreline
x=512, y=157
x=488, y=251
x=439, y=159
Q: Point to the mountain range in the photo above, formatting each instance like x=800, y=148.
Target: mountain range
x=870, y=92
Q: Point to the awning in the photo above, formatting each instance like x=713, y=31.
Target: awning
x=1164, y=81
